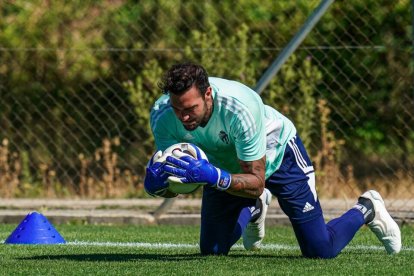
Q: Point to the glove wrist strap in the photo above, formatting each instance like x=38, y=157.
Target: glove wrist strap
x=224, y=180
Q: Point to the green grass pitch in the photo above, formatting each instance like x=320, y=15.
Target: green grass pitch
x=173, y=250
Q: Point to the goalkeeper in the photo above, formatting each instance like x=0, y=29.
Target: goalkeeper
x=254, y=152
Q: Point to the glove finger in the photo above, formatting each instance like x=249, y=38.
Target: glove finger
x=189, y=159
x=164, y=175
x=175, y=179
x=177, y=162
x=156, y=167
x=174, y=170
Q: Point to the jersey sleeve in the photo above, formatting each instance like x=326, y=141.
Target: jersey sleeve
x=161, y=125
x=162, y=136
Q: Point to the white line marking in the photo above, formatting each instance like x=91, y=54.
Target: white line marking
x=134, y=244
x=238, y=246
x=271, y=246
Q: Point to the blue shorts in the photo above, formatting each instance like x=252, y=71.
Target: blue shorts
x=294, y=184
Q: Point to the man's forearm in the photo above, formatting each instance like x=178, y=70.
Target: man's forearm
x=246, y=185
x=251, y=183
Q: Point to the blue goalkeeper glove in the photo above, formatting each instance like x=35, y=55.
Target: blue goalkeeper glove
x=189, y=170
x=155, y=182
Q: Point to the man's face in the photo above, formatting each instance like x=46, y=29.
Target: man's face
x=191, y=108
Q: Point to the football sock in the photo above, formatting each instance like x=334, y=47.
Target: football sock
x=319, y=240
x=366, y=207
x=244, y=218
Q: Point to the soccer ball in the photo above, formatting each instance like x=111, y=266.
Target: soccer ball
x=175, y=185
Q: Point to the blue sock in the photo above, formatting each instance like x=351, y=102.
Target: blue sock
x=243, y=220
x=319, y=240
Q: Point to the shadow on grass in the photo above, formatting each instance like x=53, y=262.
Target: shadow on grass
x=154, y=257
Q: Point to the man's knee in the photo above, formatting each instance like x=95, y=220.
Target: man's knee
x=213, y=249
x=322, y=250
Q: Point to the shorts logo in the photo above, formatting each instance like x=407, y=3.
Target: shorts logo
x=308, y=207
x=224, y=137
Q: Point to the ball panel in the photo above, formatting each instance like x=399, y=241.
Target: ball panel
x=182, y=188
x=186, y=148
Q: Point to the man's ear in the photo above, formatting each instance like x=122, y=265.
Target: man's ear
x=209, y=92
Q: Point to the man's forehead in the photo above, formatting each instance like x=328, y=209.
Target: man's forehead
x=178, y=102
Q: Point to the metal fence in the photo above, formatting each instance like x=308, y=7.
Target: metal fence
x=77, y=80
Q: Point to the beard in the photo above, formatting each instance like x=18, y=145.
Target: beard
x=191, y=126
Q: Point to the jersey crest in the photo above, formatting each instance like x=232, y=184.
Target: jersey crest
x=224, y=137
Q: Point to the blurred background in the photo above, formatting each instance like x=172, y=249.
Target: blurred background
x=78, y=78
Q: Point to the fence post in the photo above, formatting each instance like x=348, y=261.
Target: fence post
x=164, y=207
x=412, y=41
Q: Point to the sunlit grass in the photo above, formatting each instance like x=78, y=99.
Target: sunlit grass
x=147, y=250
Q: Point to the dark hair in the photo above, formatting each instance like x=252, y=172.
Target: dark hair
x=181, y=77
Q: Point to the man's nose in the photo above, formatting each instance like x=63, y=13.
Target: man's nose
x=184, y=117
